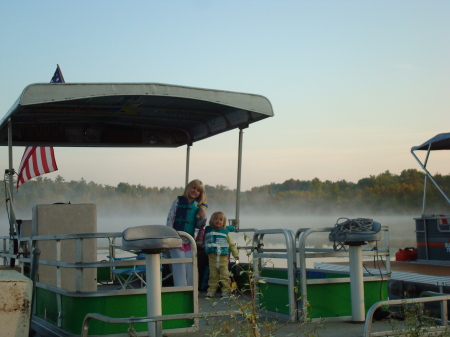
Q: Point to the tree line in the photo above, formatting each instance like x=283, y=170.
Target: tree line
x=383, y=193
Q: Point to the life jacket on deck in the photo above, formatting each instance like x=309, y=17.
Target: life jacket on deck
x=185, y=219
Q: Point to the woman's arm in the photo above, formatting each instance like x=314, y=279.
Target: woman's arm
x=172, y=213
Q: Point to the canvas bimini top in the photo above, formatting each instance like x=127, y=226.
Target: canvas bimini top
x=126, y=114
x=438, y=142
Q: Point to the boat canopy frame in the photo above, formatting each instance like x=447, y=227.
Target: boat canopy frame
x=437, y=143
x=126, y=115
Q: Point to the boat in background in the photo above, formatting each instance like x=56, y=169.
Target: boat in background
x=424, y=269
x=431, y=270
x=432, y=230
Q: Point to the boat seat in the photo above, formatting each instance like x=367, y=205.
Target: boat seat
x=150, y=239
x=355, y=236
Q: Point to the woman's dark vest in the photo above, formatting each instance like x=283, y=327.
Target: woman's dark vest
x=185, y=219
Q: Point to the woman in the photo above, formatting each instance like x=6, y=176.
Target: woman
x=183, y=217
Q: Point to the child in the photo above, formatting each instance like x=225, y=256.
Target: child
x=218, y=244
x=183, y=217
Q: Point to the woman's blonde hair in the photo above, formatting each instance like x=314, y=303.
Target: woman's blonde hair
x=198, y=185
x=217, y=214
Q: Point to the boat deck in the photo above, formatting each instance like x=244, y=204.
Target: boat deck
x=417, y=267
x=416, y=271
x=325, y=329
x=427, y=272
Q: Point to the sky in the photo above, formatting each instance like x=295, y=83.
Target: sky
x=353, y=84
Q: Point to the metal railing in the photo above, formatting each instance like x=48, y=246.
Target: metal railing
x=28, y=244
x=262, y=253
x=444, y=314
x=303, y=252
x=155, y=319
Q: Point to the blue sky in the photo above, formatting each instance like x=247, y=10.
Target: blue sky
x=354, y=84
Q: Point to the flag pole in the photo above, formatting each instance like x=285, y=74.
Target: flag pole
x=10, y=157
x=45, y=155
x=10, y=194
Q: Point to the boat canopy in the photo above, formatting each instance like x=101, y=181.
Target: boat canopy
x=439, y=142
x=126, y=114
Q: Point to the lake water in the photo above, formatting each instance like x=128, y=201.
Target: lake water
x=401, y=227
x=401, y=230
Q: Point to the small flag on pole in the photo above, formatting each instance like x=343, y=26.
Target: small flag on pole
x=57, y=76
x=38, y=160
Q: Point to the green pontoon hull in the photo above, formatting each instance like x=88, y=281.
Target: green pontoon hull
x=325, y=300
x=75, y=308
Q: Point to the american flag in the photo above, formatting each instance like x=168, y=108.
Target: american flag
x=38, y=160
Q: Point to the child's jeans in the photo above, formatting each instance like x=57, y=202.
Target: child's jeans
x=216, y=274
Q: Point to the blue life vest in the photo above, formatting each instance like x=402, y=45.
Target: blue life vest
x=185, y=219
x=216, y=241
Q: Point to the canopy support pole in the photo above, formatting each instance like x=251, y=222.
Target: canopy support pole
x=10, y=158
x=429, y=176
x=12, y=216
x=239, y=174
x=188, y=157
x=425, y=180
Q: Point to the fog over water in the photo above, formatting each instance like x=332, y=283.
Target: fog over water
x=401, y=227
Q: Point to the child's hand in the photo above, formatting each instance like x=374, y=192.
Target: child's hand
x=201, y=212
